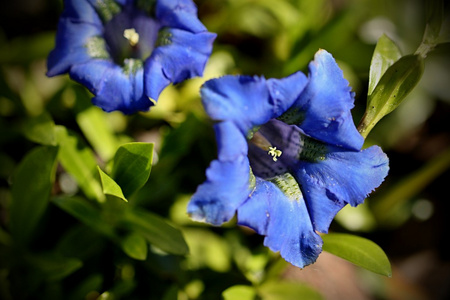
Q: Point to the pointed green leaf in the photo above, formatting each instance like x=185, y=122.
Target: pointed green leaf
x=385, y=55
x=40, y=129
x=32, y=183
x=86, y=213
x=396, y=83
x=79, y=161
x=110, y=187
x=156, y=231
x=132, y=166
x=96, y=129
x=279, y=290
x=55, y=267
x=135, y=246
x=359, y=251
x=239, y=292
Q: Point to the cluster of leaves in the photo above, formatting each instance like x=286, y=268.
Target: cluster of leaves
x=82, y=219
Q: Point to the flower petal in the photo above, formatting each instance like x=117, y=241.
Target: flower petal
x=243, y=100
x=226, y=187
x=113, y=88
x=71, y=46
x=343, y=177
x=181, y=14
x=80, y=12
x=326, y=103
x=284, y=222
x=183, y=57
x=230, y=141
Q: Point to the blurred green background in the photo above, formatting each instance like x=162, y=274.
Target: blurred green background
x=407, y=216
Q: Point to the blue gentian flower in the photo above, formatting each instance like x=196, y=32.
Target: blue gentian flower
x=289, y=157
x=126, y=52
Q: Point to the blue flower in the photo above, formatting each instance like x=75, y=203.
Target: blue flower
x=126, y=52
x=289, y=157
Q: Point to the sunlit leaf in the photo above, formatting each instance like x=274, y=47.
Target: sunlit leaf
x=86, y=213
x=110, y=187
x=135, y=246
x=385, y=55
x=396, y=83
x=359, y=251
x=32, y=184
x=96, y=129
x=132, y=166
x=281, y=290
x=239, y=292
x=40, y=129
x=156, y=231
x=79, y=161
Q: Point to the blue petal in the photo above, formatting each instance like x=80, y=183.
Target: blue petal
x=284, y=222
x=243, y=100
x=326, y=103
x=113, y=89
x=80, y=11
x=231, y=143
x=184, y=57
x=226, y=187
x=70, y=49
x=181, y=14
x=286, y=90
x=343, y=177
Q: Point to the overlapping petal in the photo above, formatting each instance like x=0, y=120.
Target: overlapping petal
x=285, y=222
x=109, y=81
x=184, y=56
x=226, y=187
x=181, y=14
x=325, y=104
x=342, y=177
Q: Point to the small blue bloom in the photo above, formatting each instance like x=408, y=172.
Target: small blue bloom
x=289, y=157
x=126, y=52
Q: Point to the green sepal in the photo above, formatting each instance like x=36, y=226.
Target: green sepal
x=396, y=83
x=110, y=187
x=359, y=251
x=32, y=184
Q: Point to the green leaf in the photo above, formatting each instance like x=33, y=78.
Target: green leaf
x=53, y=266
x=32, y=184
x=279, y=290
x=386, y=53
x=110, y=187
x=85, y=213
x=359, y=251
x=96, y=129
x=396, y=83
x=92, y=283
x=135, y=246
x=79, y=161
x=132, y=166
x=40, y=129
x=156, y=231
x=239, y=292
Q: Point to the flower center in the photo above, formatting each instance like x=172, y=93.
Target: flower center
x=130, y=33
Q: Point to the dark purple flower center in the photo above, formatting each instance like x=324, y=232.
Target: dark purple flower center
x=129, y=20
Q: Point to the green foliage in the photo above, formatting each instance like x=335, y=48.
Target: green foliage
x=32, y=184
x=110, y=187
x=360, y=251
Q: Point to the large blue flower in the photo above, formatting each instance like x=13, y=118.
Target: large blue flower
x=289, y=157
x=126, y=52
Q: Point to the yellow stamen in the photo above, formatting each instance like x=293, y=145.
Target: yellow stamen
x=274, y=152
x=132, y=36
